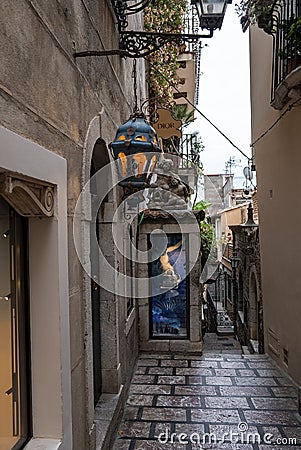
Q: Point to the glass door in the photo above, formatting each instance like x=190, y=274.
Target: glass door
x=14, y=336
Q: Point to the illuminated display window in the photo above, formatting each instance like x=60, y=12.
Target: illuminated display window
x=169, y=290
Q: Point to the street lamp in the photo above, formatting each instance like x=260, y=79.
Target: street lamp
x=234, y=260
x=211, y=12
x=136, y=151
x=234, y=265
x=138, y=44
x=250, y=226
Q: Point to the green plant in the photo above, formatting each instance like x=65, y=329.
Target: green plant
x=295, y=34
x=256, y=11
x=201, y=205
x=291, y=48
x=207, y=232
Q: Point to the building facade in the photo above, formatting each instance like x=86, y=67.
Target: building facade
x=278, y=159
x=74, y=345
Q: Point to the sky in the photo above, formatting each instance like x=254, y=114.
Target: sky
x=224, y=96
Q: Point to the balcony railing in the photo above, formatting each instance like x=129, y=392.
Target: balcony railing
x=286, y=29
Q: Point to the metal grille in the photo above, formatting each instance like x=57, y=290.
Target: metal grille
x=287, y=46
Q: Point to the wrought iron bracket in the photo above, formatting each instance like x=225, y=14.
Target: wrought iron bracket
x=139, y=44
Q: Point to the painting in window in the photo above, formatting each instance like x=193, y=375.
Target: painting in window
x=169, y=289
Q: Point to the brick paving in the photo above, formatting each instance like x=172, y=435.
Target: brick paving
x=214, y=393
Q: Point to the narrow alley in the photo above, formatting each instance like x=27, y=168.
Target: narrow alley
x=222, y=399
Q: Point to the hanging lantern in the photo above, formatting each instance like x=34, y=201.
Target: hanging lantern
x=134, y=148
x=211, y=12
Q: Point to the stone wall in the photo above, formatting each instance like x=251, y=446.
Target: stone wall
x=65, y=105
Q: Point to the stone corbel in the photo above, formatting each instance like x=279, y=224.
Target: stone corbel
x=28, y=196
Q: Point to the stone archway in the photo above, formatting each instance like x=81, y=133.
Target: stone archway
x=254, y=307
x=100, y=307
x=240, y=292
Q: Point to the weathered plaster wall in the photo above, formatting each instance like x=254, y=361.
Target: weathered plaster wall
x=278, y=162
x=50, y=98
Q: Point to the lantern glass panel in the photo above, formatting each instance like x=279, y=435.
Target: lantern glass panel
x=213, y=6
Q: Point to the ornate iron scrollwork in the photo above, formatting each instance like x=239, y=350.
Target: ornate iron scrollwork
x=137, y=44
x=140, y=43
x=124, y=8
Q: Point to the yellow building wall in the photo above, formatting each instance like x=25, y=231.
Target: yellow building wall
x=278, y=164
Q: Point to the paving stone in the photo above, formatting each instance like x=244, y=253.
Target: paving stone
x=141, y=370
x=148, y=362
x=228, y=402
x=164, y=414
x=268, y=372
x=255, y=381
x=143, y=379
x=130, y=429
x=195, y=390
x=179, y=400
x=190, y=428
x=171, y=379
x=212, y=393
x=275, y=403
x=130, y=412
x=136, y=399
x=226, y=429
x=156, y=356
x=225, y=372
x=279, y=447
x=293, y=432
x=285, y=391
x=246, y=373
x=162, y=428
x=271, y=417
x=155, y=445
x=122, y=444
x=207, y=364
x=215, y=415
x=196, y=380
x=226, y=447
x=193, y=371
x=284, y=381
x=150, y=389
x=233, y=365
x=174, y=363
x=260, y=365
x=245, y=391
x=160, y=370
x=220, y=381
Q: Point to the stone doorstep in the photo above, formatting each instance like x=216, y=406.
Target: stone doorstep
x=108, y=414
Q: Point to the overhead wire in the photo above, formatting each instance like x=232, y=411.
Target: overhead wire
x=250, y=159
x=197, y=109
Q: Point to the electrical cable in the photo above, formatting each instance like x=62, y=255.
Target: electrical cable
x=197, y=109
x=292, y=105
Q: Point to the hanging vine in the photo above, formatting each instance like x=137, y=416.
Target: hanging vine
x=164, y=16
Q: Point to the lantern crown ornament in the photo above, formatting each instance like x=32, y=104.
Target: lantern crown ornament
x=135, y=149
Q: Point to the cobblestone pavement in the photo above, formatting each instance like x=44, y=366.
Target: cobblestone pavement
x=218, y=394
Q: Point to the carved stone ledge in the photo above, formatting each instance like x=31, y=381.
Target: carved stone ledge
x=28, y=196
x=288, y=89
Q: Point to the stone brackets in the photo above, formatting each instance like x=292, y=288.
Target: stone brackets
x=28, y=196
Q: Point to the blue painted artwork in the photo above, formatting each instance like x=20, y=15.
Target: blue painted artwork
x=168, y=275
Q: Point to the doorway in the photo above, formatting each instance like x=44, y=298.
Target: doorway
x=15, y=422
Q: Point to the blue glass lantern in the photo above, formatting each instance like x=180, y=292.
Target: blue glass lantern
x=134, y=148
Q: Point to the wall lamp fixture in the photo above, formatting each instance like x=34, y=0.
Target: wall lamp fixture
x=138, y=44
x=250, y=226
